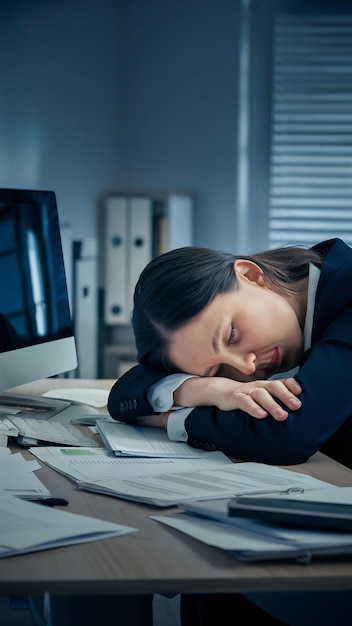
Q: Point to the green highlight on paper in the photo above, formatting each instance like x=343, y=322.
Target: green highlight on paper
x=77, y=452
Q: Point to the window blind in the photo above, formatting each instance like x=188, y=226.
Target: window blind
x=310, y=178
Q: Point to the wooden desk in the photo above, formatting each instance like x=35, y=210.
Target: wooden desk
x=157, y=559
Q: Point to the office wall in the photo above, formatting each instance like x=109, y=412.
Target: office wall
x=179, y=105
x=121, y=94
x=59, y=105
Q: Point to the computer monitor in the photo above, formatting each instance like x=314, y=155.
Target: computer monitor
x=36, y=330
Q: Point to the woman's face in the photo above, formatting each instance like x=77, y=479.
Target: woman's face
x=250, y=333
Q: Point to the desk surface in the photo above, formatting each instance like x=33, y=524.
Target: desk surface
x=157, y=559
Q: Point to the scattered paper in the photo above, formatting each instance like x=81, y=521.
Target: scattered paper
x=92, y=397
x=28, y=527
x=17, y=476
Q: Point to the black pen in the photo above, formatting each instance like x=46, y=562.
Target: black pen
x=51, y=501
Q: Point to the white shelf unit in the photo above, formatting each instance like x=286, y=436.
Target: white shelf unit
x=137, y=228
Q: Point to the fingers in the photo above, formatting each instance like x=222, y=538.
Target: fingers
x=291, y=384
x=260, y=404
x=261, y=398
x=252, y=407
x=286, y=391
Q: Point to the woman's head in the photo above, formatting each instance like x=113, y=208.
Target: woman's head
x=172, y=289
x=173, y=299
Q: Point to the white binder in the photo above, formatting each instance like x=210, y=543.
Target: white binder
x=115, y=247
x=128, y=248
x=140, y=249
x=86, y=307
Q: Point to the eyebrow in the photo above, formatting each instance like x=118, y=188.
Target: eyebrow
x=215, y=344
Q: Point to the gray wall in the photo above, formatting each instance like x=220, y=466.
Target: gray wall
x=122, y=95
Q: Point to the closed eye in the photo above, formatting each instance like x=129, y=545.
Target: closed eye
x=233, y=334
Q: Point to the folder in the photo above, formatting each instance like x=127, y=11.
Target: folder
x=329, y=508
x=249, y=539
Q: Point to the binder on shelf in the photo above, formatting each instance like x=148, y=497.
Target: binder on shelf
x=172, y=223
x=128, y=248
x=115, y=259
x=86, y=306
x=140, y=248
x=138, y=228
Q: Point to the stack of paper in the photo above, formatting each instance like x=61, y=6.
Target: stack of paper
x=7, y=429
x=28, y=527
x=329, y=508
x=127, y=440
x=250, y=539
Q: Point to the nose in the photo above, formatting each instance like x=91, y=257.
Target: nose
x=244, y=363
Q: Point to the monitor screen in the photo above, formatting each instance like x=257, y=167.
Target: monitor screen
x=36, y=330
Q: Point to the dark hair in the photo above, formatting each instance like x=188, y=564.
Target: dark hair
x=176, y=286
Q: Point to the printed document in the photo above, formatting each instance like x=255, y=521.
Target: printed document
x=168, y=481
x=127, y=440
x=29, y=527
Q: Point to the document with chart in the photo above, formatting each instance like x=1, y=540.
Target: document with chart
x=167, y=481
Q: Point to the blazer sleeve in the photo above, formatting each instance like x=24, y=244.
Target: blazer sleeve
x=128, y=397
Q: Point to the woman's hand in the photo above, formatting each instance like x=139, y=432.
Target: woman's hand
x=258, y=398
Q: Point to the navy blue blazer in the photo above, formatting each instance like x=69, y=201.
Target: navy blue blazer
x=324, y=421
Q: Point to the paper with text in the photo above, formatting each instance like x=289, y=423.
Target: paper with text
x=126, y=440
x=167, y=481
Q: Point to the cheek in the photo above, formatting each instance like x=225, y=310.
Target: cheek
x=281, y=318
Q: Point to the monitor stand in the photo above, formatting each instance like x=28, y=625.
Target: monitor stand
x=43, y=408
x=73, y=410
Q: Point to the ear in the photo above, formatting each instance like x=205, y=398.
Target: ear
x=248, y=272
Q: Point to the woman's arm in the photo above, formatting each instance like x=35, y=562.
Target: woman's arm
x=325, y=378
x=129, y=399
x=256, y=398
